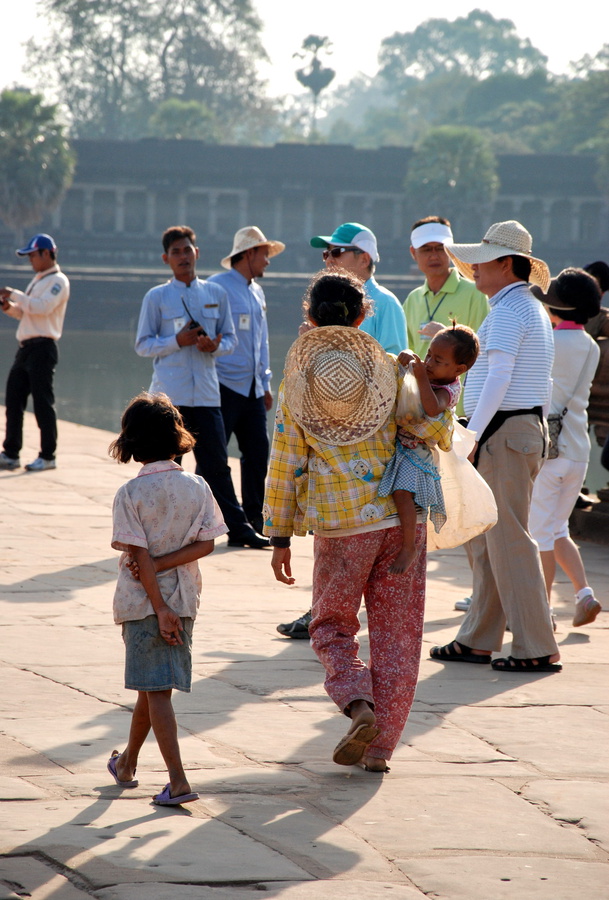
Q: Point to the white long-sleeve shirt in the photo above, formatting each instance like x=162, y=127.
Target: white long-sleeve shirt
x=41, y=308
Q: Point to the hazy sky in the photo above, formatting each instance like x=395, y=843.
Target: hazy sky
x=356, y=29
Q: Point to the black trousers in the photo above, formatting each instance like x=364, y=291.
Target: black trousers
x=205, y=422
x=32, y=373
x=245, y=417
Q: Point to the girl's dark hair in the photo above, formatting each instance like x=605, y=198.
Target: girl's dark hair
x=580, y=289
x=335, y=298
x=466, y=345
x=151, y=429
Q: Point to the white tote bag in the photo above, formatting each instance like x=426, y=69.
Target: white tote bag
x=470, y=504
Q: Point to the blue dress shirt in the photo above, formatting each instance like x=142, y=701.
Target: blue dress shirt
x=251, y=357
x=185, y=374
x=388, y=324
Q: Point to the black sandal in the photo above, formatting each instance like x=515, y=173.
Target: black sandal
x=456, y=652
x=512, y=664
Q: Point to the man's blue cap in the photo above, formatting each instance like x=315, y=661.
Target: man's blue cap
x=349, y=234
x=38, y=242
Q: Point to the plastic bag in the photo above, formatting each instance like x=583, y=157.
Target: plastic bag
x=470, y=505
x=409, y=407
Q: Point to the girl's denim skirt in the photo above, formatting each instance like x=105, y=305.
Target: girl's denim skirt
x=151, y=664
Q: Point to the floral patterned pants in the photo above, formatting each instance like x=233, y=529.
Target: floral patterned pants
x=345, y=568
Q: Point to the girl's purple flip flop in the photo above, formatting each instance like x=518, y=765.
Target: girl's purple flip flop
x=112, y=769
x=165, y=798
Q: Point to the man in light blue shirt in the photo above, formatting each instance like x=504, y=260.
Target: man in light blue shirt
x=353, y=247
x=185, y=325
x=245, y=375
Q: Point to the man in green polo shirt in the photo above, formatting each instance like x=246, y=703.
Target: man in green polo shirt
x=445, y=295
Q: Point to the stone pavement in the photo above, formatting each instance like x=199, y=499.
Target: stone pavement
x=498, y=790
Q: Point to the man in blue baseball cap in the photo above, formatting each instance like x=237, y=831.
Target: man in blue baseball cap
x=41, y=310
x=353, y=247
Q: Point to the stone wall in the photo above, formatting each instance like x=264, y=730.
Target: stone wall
x=126, y=193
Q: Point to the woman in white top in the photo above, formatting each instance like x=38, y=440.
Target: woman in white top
x=573, y=298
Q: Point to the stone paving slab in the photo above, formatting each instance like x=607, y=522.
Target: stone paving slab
x=133, y=840
x=563, y=800
x=317, y=890
x=421, y=814
x=483, y=877
x=497, y=789
x=34, y=878
x=443, y=684
x=578, y=743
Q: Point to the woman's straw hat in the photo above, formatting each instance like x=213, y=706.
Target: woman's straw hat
x=247, y=238
x=340, y=385
x=502, y=239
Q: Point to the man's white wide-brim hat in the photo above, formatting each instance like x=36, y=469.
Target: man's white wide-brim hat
x=247, y=238
x=502, y=239
x=340, y=385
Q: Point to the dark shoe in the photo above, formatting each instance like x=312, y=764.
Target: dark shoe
x=250, y=539
x=456, y=652
x=298, y=629
x=512, y=664
x=583, y=502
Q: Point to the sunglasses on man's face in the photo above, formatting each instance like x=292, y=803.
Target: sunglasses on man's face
x=335, y=252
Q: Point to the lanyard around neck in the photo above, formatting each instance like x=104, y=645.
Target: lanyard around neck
x=436, y=308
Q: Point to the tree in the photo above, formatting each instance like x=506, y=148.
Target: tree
x=36, y=163
x=453, y=173
x=477, y=44
x=184, y=119
x=380, y=119
x=316, y=77
x=113, y=61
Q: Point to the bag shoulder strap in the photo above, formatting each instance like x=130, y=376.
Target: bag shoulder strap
x=579, y=380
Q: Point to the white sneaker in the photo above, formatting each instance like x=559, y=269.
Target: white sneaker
x=463, y=605
x=586, y=611
x=40, y=464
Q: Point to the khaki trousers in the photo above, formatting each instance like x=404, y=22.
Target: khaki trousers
x=508, y=582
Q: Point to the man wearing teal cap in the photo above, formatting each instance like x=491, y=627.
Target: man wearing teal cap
x=353, y=247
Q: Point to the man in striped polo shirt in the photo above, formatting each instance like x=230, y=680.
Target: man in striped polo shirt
x=506, y=393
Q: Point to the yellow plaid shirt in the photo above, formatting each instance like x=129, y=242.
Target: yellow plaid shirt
x=314, y=486
x=437, y=432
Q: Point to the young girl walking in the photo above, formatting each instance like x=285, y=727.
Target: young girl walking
x=164, y=520
x=411, y=477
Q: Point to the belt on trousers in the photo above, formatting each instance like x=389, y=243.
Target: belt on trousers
x=501, y=416
x=37, y=340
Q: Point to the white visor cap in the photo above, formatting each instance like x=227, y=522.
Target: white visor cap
x=431, y=233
